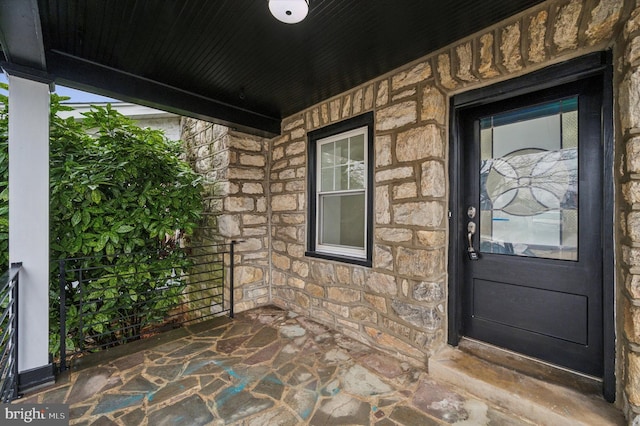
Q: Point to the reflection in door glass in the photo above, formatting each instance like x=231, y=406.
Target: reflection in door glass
x=529, y=181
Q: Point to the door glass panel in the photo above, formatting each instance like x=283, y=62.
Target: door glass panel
x=529, y=181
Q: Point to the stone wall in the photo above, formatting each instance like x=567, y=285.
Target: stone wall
x=628, y=167
x=235, y=203
x=399, y=304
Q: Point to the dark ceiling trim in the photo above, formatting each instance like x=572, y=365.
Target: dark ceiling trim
x=28, y=73
x=21, y=33
x=93, y=77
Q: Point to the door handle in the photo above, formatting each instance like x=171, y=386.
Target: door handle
x=471, y=252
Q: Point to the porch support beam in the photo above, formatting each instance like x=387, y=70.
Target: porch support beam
x=90, y=76
x=29, y=223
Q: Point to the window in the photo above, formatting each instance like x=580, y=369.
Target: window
x=340, y=198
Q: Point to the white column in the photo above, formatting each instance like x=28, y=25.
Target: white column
x=29, y=215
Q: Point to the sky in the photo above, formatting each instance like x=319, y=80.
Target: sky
x=77, y=96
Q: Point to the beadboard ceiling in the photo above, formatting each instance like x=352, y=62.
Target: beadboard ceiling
x=230, y=61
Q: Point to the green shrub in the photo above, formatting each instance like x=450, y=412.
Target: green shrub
x=115, y=188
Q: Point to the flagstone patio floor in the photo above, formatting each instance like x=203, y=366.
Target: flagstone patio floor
x=265, y=367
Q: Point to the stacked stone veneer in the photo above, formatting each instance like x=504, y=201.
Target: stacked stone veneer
x=628, y=146
x=235, y=203
x=399, y=304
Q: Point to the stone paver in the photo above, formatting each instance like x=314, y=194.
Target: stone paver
x=341, y=409
x=192, y=411
x=265, y=367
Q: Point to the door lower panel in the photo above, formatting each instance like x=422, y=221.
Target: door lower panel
x=531, y=310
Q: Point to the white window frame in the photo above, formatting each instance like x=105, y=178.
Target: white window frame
x=332, y=249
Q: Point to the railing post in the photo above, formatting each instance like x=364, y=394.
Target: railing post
x=63, y=316
x=14, y=296
x=231, y=277
x=81, y=309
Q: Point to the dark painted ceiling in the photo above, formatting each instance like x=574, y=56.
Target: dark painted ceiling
x=230, y=61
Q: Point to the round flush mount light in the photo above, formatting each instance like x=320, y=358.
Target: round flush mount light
x=289, y=11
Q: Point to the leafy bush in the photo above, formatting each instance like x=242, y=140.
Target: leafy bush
x=121, y=190
x=115, y=188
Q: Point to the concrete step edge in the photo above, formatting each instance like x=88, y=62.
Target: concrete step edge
x=532, y=399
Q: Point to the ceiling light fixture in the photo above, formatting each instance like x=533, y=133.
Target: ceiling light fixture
x=289, y=11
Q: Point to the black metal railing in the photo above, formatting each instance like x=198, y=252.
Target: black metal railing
x=9, y=333
x=107, y=301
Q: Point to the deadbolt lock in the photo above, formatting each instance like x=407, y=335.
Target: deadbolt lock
x=471, y=212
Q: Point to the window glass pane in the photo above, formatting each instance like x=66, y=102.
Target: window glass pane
x=326, y=155
x=343, y=220
x=528, y=182
x=570, y=129
x=341, y=174
x=326, y=179
x=356, y=175
x=342, y=151
x=486, y=143
x=357, y=148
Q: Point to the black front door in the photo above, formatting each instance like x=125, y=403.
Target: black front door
x=530, y=224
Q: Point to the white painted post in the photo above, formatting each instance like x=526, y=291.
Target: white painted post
x=29, y=221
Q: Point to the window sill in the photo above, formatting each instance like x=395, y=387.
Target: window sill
x=344, y=259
